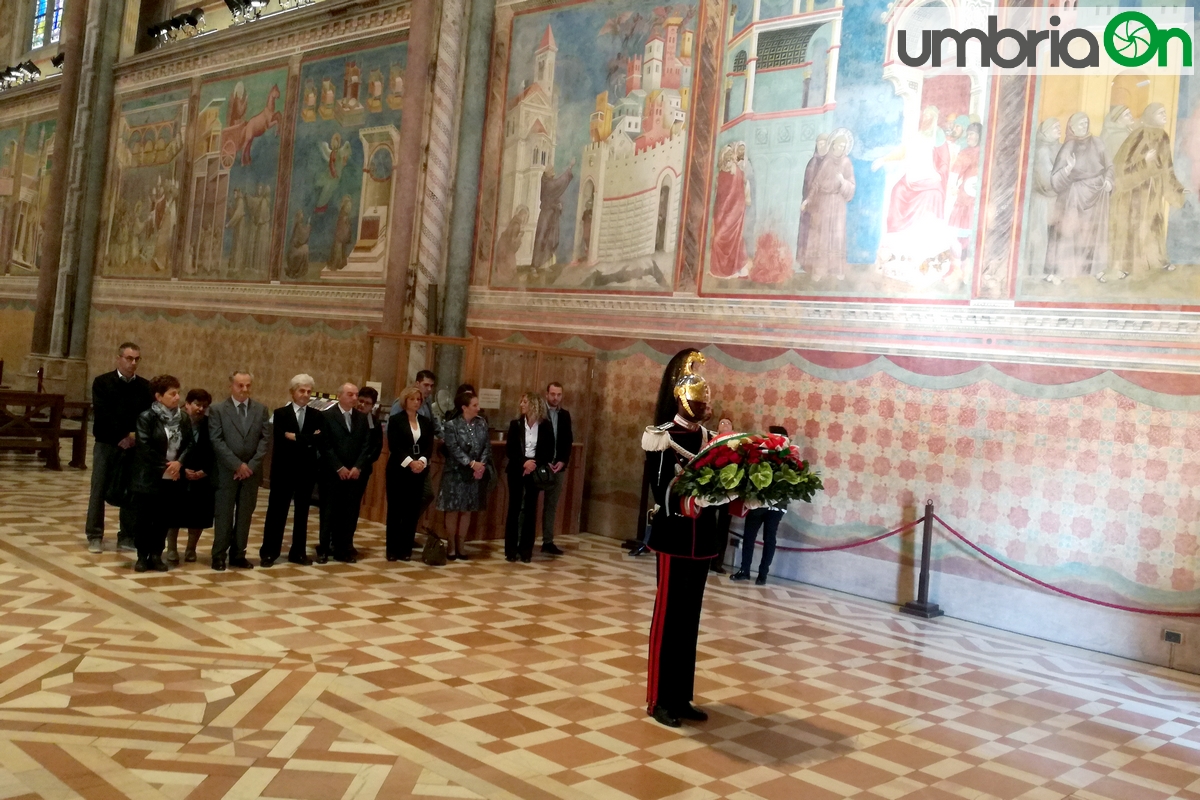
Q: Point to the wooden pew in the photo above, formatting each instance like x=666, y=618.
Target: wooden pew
x=36, y=427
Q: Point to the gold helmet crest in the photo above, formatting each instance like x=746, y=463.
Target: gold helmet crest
x=690, y=387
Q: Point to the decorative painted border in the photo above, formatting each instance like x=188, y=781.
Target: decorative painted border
x=1136, y=340
x=358, y=303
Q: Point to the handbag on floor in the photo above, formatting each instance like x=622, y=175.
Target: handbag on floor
x=434, y=552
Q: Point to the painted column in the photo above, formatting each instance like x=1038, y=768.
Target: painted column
x=96, y=169
x=831, y=64
x=751, y=68
x=80, y=161
x=422, y=33
x=466, y=186
x=72, y=48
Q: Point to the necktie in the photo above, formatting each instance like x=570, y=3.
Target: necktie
x=242, y=410
x=300, y=417
x=346, y=414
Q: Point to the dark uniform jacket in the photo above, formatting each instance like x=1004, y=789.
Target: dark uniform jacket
x=671, y=532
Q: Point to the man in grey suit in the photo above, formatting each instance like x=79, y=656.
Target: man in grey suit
x=238, y=428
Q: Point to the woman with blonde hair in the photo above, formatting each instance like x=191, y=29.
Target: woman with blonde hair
x=530, y=453
x=410, y=445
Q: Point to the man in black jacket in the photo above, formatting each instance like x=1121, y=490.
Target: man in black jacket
x=345, y=444
x=293, y=472
x=560, y=420
x=368, y=397
x=118, y=398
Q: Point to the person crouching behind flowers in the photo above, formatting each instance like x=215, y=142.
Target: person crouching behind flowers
x=164, y=435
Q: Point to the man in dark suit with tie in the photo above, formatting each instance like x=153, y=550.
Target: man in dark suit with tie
x=238, y=428
x=368, y=397
x=293, y=473
x=118, y=397
x=345, y=443
x=560, y=420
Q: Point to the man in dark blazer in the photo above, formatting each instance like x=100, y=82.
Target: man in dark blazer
x=560, y=420
x=368, y=397
x=345, y=443
x=296, y=428
x=118, y=397
x=238, y=428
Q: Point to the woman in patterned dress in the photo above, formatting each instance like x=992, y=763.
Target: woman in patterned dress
x=464, y=479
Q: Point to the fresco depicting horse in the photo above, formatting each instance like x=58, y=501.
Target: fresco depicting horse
x=259, y=124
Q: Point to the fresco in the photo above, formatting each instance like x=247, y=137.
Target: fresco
x=595, y=139
x=235, y=165
x=140, y=238
x=347, y=133
x=1111, y=212
x=10, y=143
x=30, y=192
x=837, y=170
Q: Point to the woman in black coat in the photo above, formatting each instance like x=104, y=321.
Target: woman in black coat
x=410, y=446
x=164, y=436
x=530, y=445
x=194, y=494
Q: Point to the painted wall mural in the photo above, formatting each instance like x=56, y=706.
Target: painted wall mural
x=1112, y=213
x=10, y=144
x=837, y=169
x=30, y=189
x=235, y=165
x=347, y=133
x=595, y=139
x=142, y=232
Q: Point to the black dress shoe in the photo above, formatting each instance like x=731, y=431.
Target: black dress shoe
x=157, y=564
x=266, y=562
x=452, y=557
x=761, y=580
x=322, y=558
x=664, y=717
x=640, y=550
x=392, y=557
x=240, y=562
x=511, y=559
x=463, y=557
x=740, y=575
x=303, y=561
x=552, y=549
x=348, y=558
x=406, y=558
x=141, y=565
x=526, y=559
x=716, y=567
x=218, y=563
x=690, y=712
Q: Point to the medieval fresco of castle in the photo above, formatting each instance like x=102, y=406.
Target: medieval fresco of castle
x=141, y=232
x=235, y=165
x=346, y=135
x=837, y=170
x=595, y=130
x=1111, y=212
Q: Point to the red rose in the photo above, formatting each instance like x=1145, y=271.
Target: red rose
x=722, y=458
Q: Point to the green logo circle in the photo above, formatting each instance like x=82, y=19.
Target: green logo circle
x=1130, y=38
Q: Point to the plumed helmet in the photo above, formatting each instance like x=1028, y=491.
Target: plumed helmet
x=680, y=382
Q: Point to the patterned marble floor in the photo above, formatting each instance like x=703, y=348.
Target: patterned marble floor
x=495, y=680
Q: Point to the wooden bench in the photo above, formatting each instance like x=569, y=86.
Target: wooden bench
x=36, y=427
x=80, y=411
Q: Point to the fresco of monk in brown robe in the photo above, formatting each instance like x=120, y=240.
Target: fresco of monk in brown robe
x=1145, y=185
x=832, y=188
x=1082, y=179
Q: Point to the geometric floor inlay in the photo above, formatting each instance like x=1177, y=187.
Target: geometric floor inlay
x=496, y=680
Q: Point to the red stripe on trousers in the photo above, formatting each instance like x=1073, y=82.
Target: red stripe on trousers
x=656, y=626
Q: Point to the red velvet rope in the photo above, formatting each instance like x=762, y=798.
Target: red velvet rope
x=880, y=537
x=1045, y=585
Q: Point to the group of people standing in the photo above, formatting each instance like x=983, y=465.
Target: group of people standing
x=1099, y=204
x=176, y=462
